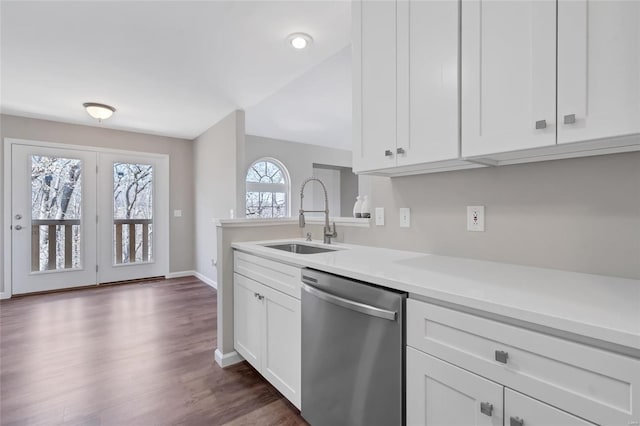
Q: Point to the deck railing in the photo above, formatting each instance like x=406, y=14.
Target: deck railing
x=52, y=237
x=130, y=224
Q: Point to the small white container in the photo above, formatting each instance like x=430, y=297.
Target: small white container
x=365, y=209
x=357, y=207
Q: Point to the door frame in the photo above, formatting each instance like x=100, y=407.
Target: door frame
x=6, y=264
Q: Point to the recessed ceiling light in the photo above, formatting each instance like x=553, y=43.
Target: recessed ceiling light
x=99, y=111
x=300, y=40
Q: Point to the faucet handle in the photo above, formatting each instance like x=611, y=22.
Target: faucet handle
x=335, y=233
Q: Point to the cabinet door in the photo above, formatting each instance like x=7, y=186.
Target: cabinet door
x=282, y=351
x=520, y=410
x=247, y=319
x=508, y=75
x=374, y=84
x=428, y=52
x=598, y=69
x=440, y=394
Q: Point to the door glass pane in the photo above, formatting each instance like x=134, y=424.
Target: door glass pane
x=56, y=211
x=132, y=213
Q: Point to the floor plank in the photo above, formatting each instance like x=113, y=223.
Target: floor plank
x=134, y=354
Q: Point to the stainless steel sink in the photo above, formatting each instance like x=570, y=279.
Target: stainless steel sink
x=300, y=248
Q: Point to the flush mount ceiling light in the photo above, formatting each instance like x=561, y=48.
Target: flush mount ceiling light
x=299, y=41
x=99, y=111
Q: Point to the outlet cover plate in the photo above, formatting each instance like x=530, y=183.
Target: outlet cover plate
x=405, y=217
x=379, y=216
x=475, y=218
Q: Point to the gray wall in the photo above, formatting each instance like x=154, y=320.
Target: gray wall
x=298, y=158
x=578, y=215
x=180, y=152
x=218, y=186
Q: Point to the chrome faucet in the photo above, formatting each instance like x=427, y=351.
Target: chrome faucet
x=328, y=232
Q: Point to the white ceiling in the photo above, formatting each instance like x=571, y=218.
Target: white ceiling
x=314, y=108
x=174, y=67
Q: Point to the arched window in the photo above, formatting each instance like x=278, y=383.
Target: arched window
x=268, y=187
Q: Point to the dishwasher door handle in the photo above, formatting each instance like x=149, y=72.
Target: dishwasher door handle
x=350, y=304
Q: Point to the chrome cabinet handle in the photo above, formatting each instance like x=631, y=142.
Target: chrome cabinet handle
x=541, y=124
x=516, y=421
x=18, y=227
x=570, y=119
x=400, y=151
x=502, y=356
x=486, y=408
x=388, y=153
x=18, y=216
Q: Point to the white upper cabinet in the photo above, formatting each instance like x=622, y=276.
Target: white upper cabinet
x=406, y=80
x=598, y=69
x=374, y=84
x=508, y=75
x=428, y=97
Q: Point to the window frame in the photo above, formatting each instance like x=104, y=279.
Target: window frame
x=270, y=187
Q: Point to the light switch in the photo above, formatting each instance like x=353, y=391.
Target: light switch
x=405, y=217
x=475, y=218
x=177, y=213
x=379, y=216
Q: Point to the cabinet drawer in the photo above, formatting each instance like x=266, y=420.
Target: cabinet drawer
x=596, y=384
x=282, y=277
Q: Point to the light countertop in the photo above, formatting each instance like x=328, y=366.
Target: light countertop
x=594, y=306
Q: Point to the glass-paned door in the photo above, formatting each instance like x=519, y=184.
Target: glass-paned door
x=53, y=226
x=135, y=209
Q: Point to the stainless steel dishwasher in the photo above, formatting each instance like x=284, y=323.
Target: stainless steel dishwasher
x=353, y=352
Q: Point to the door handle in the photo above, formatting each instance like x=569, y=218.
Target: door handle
x=502, y=356
x=486, y=408
x=400, y=151
x=570, y=119
x=516, y=421
x=18, y=216
x=388, y=153
x=351, y=304
x=17, y=227
x=541, y=124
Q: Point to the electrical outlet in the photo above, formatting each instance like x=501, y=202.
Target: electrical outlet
x=379, y=216
x=405, y=217
x=475, y=218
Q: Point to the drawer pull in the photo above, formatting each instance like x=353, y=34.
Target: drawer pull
x=486, y=408
x=516, y=421
x=541, y=124
x=388, y=153
x=502, y=356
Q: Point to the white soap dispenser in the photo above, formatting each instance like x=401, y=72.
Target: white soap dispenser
x=357, y=207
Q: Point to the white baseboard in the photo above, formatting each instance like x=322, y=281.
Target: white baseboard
x=180, y=274
x=230, y=358
x=5, y=295
x=205, y=279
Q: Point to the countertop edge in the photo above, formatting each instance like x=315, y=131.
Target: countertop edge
x=620, y=341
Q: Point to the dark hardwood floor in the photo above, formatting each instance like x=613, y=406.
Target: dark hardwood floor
x=134, y=354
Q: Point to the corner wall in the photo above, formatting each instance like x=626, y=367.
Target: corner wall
x=218, y=187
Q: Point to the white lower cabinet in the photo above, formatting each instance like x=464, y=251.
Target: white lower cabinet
x=457, y=360
x=439, y=393
x=267, y=334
